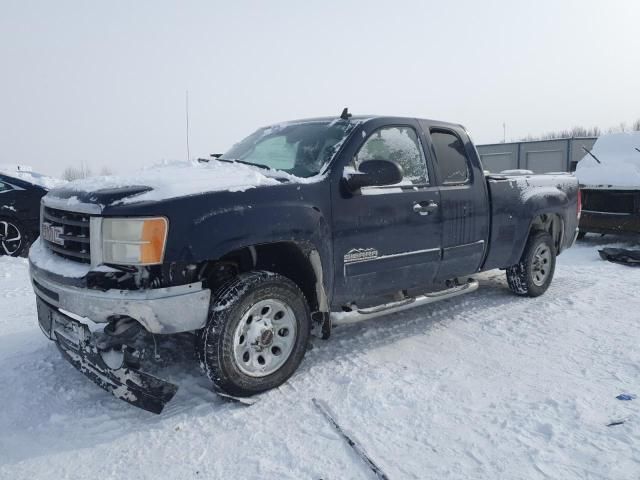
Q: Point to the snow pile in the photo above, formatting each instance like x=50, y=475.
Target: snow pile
x=484, y=386
x=188, y=178
x=620, y=162
x=26, y=174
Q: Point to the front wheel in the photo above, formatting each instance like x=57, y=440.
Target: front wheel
x=533, y=274
x=256, y=335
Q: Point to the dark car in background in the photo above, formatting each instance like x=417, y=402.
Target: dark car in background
x=20, y=194
x=609, y=177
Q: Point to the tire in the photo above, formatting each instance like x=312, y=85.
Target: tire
x=256, y=335
x=10, y=230
x=581, y=235
x=534, y=273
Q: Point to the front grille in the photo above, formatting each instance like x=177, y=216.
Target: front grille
x=75, y=234
x=610, y=201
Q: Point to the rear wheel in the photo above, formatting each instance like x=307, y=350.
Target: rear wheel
x=13, y=238
x=256, y=335
x=533, y=274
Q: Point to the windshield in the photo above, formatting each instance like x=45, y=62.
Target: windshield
x=301, y=149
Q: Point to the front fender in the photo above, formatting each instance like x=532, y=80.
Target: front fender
x=223, y=231
x=302, y=226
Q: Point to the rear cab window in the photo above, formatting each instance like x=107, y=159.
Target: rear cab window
x=451, y=159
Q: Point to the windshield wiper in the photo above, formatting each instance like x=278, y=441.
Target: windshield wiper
x=244, y=162
x=259, y=165
x=589, y=152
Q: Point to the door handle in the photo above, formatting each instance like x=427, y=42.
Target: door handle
x=425, y=208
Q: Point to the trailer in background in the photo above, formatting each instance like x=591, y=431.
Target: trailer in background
x=539, y=156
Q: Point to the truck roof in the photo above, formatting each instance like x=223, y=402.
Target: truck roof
x=366, y=118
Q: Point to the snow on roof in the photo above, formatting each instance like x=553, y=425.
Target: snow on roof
x=26, y=174
x=188, y=178
x=620, y=162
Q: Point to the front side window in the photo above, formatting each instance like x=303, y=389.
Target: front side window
x=301, y=149
x=450, y=156
x=398, y=144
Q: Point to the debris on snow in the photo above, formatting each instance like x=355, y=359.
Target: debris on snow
x=356, y=446
x=626, y=396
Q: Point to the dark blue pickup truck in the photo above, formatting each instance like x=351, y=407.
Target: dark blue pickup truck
x=298, y=225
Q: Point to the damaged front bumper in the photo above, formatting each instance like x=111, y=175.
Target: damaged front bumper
x=77, y=344
x=181, y=308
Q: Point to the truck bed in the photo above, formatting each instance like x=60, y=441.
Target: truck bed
x=516, y=201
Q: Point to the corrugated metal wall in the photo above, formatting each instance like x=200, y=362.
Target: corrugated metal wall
x=543, y=156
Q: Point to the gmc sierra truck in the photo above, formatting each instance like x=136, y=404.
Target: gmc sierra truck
x=298, y=225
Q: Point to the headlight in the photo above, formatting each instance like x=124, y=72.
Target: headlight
x=134, y=241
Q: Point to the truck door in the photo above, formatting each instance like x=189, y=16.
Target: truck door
x=463, y=199
x=386, y=239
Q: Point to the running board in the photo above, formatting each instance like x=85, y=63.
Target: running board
x=360, y=314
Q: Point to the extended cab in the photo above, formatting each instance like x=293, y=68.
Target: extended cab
x=299, y=224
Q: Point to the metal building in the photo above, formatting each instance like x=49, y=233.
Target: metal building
x=540, y=156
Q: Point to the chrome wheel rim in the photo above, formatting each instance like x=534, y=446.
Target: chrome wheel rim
x=541, y=265
x=10, y=238
x=264, y=338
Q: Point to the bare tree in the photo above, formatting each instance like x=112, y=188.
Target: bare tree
x=577, y=131
x=104, y=171
x=636, y=126
x=76, y=173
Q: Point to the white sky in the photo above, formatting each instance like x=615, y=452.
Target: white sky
x=104, y=82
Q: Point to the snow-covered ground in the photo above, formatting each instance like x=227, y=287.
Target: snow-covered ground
x=484, y=386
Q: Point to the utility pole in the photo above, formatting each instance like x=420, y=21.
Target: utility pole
x=187, y=119
x=504, y=132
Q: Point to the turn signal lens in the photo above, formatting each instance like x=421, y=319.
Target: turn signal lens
x=154, y=234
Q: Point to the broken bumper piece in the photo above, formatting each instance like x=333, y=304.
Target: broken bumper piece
x=75, y=341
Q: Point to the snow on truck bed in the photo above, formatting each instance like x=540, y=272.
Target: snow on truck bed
x=485, y=386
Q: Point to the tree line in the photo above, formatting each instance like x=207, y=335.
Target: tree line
x=83, y=171
x=583, y=132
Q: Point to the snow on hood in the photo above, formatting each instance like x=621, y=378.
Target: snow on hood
x=620, y=162
x=187, y=178
x=25, y=174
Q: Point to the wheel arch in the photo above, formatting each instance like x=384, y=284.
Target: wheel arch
x=300, y=262
x=549, y=222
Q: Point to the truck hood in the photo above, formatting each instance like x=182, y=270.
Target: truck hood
x=170, y=181
x=619, y=166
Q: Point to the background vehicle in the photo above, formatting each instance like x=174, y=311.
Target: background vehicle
x=300, y=223
x=20, y=194
x=609, y=176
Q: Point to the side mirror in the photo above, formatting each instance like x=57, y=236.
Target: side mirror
x=374, y=173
